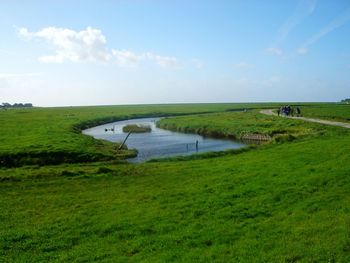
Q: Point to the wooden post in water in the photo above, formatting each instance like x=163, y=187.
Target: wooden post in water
x=197, y=146
x=127, y=136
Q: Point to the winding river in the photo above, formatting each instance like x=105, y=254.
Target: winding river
x=159, y=143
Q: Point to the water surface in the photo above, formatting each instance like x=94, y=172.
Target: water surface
x=159, y=143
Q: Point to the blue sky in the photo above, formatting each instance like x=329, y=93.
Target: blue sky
x=57, y=53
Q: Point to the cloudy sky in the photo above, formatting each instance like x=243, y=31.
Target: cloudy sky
x=57, y=53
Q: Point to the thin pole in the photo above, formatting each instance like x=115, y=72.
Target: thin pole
x=127, y=136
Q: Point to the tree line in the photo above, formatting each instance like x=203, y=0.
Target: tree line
x=6, y=105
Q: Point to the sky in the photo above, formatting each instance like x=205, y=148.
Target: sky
x=68, y=53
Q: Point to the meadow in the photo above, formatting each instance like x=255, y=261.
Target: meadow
x=336, y=112
x=283, y=201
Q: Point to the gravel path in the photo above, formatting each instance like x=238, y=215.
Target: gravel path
x=333, y=123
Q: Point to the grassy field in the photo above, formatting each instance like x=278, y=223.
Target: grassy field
x=337, y=112
x=285, y=201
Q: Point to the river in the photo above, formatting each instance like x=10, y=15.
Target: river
x=160, y=143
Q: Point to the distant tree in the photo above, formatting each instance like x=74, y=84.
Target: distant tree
x=347, y=101
x=6, y=105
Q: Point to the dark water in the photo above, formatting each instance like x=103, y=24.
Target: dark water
x=159, y=142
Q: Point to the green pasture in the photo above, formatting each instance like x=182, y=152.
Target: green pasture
x=335, y=112
x=284, y=201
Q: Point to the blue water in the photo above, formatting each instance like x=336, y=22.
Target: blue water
x=159, y=143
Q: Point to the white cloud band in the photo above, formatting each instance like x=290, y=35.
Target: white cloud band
x=81, y=46
x=90, y=45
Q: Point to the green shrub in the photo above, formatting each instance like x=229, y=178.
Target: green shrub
x=137, y=128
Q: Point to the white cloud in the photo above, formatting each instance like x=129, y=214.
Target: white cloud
x=127, y=58
x=244, y=65
x=334, y=24
x=130, y=59
x=275, y=51
x=90, y=45
x=85, y=45
x=304, y=9
x=23, y=32
x=163, y=61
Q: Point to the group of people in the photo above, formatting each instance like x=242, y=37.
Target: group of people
x=289, y=111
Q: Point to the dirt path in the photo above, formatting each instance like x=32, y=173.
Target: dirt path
x=333, y=123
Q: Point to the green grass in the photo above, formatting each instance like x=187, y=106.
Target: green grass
x=279, y=202
x=335, y=112
x=237, y=124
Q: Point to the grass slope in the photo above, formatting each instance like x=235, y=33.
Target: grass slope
x=237, y=124
x=281, y=202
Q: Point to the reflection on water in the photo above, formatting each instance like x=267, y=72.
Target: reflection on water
x=159, y=142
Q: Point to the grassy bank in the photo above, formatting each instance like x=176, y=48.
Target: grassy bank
x=281, y=202
x=238, y=125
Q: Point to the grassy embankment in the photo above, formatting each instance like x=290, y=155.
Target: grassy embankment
x=240, y=124
x=282, y=202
